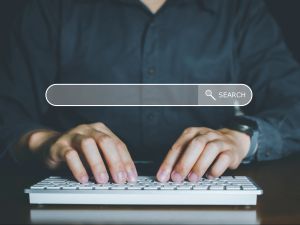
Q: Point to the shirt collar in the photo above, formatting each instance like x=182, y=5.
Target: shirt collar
x=172, y=1
x=202, y=3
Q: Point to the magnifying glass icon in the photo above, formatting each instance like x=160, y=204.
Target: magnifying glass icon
x=208, y=93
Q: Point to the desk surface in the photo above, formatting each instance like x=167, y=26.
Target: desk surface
x=280, y=203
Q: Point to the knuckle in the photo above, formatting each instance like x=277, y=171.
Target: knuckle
x=99, y=125
x=225, y=157
x=128, y=166
x=51, y=164
x=63, y=140
x=120, y=145
x=181, y=167
x=201, y=166
x=55, y=149
x=236, y=159
x=233, y=166
x=204, y=129
x=53, y=152
x=174, y=148
x=104, y=139
x=198, y=140
x=166, y=165
x=81, y=127
x=234, y=162
x=199, y=170
x=70, y=154
x=117, y=166
x=215, y=146
x=96, y=166
x=189, y=130
x=86, y=142
x=212, y=134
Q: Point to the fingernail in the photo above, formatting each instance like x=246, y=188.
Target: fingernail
x=131, y=176
x=193, y=177
x=176, y=177
x=162, y=176
x=102, y=178
x=209, y=177
x=84, y=179
x=121, y=176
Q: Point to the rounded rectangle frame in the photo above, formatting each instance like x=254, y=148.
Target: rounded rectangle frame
x=191, y=95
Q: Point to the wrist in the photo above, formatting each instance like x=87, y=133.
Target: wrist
x=249, y=127
x=37, y=139
x=252, y=149
x=243, y=142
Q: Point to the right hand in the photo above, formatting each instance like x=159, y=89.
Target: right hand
x=95, y=143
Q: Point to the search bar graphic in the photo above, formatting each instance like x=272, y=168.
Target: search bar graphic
x=149, y=95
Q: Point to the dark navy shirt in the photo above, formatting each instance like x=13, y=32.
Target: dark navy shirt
x=121, y=41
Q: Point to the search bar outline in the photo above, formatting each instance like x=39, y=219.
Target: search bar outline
x=147, y=105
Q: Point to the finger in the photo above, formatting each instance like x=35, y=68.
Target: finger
x=219, y=167
x=108, y=146
x=75, y=165
x=127, y=162
x=89, y=148
x=174, y=153
x=123, y=151
x=208, y=156
x=190, y=157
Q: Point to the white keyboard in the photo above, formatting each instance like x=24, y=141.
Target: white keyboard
x=226, y=190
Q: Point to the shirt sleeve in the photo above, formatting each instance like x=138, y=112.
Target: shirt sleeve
x=28, y=69
x=267, y=66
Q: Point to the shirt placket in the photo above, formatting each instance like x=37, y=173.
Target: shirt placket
x=150, y=115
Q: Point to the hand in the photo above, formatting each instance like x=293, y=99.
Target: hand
x=201, y=150
x=94, y=143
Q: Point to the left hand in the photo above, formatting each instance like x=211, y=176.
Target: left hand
x=200, y=150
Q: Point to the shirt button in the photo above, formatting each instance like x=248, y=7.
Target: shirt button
x=150, y=116
x=267, y=154
x=151, y=71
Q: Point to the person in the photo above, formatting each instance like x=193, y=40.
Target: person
x=148, y=41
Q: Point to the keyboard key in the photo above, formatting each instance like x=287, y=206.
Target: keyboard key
x=233, y=188
x=184, y=187
x=151, y=188
x=249, y=187
x=168, y=187
x=121, y=187
x=54, y=187
x=200, y=187
x=135, y=187
x=36, y=187
x=69, y=188
x=102, y=187
x=215, y=187
x=85, y=187
x=226, y=177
